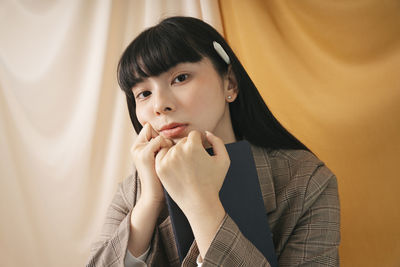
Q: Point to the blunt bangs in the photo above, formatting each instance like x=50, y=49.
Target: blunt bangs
x=153, y=52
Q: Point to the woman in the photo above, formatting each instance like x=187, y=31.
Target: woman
x=186, y=90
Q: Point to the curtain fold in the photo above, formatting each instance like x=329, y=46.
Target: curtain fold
x=65, y=133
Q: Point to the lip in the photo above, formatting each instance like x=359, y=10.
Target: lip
x=173, y=130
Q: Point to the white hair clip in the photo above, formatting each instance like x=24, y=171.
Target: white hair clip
x=221, y=52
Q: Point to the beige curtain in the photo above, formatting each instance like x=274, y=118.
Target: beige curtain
x=65, y=134
x=330, y=72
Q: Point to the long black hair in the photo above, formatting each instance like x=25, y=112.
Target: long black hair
x=185, y=39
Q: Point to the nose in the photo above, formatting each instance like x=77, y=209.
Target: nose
x=163, y=102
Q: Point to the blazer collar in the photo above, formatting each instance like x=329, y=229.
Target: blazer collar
x=264, y=172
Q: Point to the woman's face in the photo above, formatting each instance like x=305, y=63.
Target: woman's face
x=189, y=96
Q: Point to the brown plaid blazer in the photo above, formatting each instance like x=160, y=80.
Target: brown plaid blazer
x=301, y=199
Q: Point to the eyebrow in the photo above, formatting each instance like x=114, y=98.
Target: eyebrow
x=137, y=84
x=170, y=70
x=136, y=87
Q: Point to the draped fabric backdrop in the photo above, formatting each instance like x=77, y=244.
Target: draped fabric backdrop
x=327, y=69
x=65, y=134
x=330, y=72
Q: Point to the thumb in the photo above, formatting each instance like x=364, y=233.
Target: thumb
x=217, y=145
x=159, y=158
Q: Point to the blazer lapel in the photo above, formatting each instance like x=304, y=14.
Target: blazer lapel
x=264, y=172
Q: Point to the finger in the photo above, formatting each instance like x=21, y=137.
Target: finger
x=217, y=145
x=158, y=143
x=155, y=144
x=181, y=142
x=142, y=137
x=147, y=133
x=165, y=142
x=195, y=142
x=154, y=134
x=160, y=156
x=194, y=137
x=170, y=142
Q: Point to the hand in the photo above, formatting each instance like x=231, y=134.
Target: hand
x=191, y=176
x=147, y=144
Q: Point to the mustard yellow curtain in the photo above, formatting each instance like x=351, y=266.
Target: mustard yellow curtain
x=330, y=72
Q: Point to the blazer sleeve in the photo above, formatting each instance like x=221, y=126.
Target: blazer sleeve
x=313, y=242
x=110, y=247
x=316, y=237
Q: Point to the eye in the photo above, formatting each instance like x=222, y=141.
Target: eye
x=143, y=94
x=180, y=78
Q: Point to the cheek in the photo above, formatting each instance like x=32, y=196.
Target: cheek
x=141, y=115
x=204, y=98
x=196, y=103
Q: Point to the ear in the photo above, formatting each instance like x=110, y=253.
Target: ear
x=230, y=85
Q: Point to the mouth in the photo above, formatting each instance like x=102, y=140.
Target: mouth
x=173, y=130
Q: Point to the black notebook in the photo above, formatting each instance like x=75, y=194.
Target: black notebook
x=241, y=197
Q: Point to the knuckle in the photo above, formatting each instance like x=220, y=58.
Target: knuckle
x=174, y=152
x=146, y=153
x=154, y=141
x=159, y=168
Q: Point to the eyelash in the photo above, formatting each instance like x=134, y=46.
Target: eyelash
x=180, y=75
x=138, y=96
x=141, y=93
